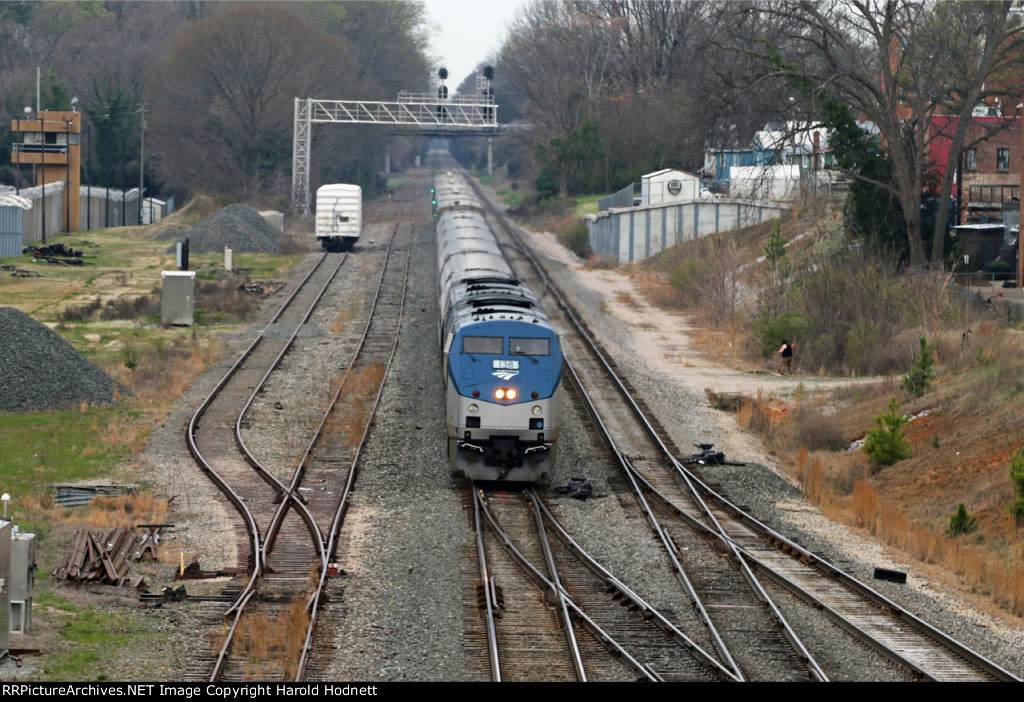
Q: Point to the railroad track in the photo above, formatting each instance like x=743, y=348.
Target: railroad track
x=554, y=613
x=292, y=525
x=648, y=460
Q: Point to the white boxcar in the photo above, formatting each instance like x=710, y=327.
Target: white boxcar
x=339, y=216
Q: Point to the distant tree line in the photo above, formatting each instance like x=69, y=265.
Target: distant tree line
x=616, y=88
x=218, y=81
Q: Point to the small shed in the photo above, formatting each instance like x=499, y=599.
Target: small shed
x=669, y=186
x=153, y=210
x=981, y=244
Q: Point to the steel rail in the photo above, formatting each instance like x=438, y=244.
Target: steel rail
x=237, y=608
x=652, y=520
x=487, y=582
x=247, y=516
x=313, y=604
x=903, y=615
x=800, y=555
x=788, y=632
x=194, y=422
x=543, y=582
x=563, y=607
x=287, y=493
x=613, y=582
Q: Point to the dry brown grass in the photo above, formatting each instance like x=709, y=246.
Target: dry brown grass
x=627, y=299
x=339, y=322
x=999, y=577
x=348, y=421
x=755, y=414
x=989, y=563
x=598, y=262
x=138, y=507
x=296, y=626
x=162, y=375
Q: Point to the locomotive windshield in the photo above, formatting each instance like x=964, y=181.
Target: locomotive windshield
x=529, y=347
x=483, y=344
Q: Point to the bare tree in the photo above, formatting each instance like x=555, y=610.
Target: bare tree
x=561, y=54
x=902, y=63
x=222, y=97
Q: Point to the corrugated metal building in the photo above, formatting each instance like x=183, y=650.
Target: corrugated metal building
x=106, y=207
x=12, y=214
x=32, y=226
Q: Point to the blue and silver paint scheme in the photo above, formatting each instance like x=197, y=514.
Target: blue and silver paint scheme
x=495, y=339
x=492, y=438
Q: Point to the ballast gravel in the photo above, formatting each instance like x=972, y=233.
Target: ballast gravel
x=39, y=370
x=234, y=227
x=398, y=609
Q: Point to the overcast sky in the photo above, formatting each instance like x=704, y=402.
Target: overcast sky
x=465, y=32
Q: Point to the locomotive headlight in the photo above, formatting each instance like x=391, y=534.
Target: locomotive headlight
x=473, y=409
x=536, y=409
x=499, y=394
x=511, y=394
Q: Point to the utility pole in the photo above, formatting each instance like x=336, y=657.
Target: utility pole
x=142, y=145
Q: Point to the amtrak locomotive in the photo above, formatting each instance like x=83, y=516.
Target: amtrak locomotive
x=502, y=359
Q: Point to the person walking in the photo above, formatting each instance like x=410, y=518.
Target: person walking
x=786, y=352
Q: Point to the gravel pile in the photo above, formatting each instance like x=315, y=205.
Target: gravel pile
x=235, y=227
x=41, y=371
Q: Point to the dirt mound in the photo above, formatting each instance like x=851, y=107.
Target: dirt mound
x=235, y=227
x=41, y=371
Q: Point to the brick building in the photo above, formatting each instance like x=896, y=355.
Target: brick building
x=988, y=179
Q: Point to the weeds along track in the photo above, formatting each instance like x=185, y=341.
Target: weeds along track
x=691, y=519
x=551, y=612
x=291, y=524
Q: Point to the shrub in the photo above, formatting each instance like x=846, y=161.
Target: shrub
x=961, y=522
x=775, y=248
x=81, y=312
x=921, y=373
x=886, y=443
x=851, y=308
x=1017, y=476
x=817, y=431
x=792, y=325
x=576, y=239
x=131, y=307
x=999, y=266
x=689, y=278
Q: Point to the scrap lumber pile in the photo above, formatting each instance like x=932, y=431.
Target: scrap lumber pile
x=102, y=560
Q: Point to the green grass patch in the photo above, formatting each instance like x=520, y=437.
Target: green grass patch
x=90, y=638
x=586, y=204
x=59, y=447
x=512, y=198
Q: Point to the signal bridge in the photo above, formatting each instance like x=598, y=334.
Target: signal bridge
x=425, y=114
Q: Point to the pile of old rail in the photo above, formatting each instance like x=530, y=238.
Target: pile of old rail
x=289, y=562
x=866, y=614
x=528, y=641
